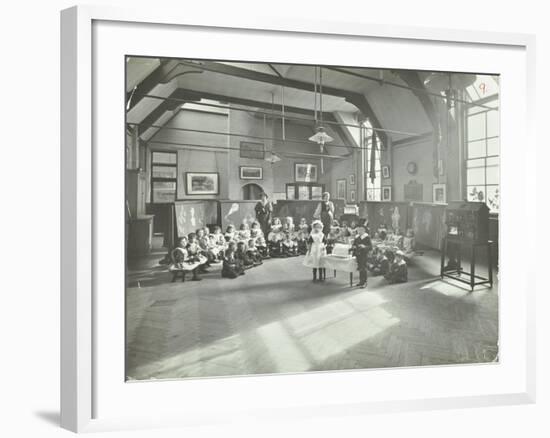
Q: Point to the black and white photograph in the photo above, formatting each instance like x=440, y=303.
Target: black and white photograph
x=305, y=172
x=261, y=240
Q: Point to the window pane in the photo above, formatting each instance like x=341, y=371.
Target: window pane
x=290, y=192
x=493, y=175
x=303, y=192
x=476, y=127
x=476, y=193
x=493, y=146
x=493, y=161
x=164, y=157
x=476, y=163
x=492, y=124
x=165, y=172
x=476, y=176
x=476, y=149
x=493, y=198
x=164, y=191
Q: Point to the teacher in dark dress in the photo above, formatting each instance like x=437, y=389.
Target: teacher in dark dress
x=325, y=212
x=264, y=210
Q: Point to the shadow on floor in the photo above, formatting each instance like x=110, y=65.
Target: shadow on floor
x=51, y=417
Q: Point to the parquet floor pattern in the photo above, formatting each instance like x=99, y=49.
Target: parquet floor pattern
x=274, y=319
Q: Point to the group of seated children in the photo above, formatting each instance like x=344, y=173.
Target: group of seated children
x=287, y=240
x=391, y=265
x=237, y=251
x=247, y=247
x=344, y=233
x=394, y=240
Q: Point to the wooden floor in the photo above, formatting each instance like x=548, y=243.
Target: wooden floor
x=274, y=319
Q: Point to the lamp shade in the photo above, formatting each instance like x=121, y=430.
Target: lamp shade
x=321, y=137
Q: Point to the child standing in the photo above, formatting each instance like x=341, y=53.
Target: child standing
x=409, y=243
x=361, y=248
x=316, y=250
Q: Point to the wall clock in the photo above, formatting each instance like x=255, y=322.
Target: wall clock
x=412, y=167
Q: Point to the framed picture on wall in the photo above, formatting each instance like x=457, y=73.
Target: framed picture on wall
x=386, y=193
x=352, y=179
x=252, y=150
x=341, y=189
x=202, y=183
x=352, y=195
x=439, y=193
x=249, y=172
x=386, y=172
x=305, y=172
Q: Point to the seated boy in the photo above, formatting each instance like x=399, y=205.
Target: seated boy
x=241, y=255
x=289, y=245
x=275, y=241
x=381, y=265
x=398, y=269
x=262, y=247
x=253, y=253
x=182, y=262
x=232, y=267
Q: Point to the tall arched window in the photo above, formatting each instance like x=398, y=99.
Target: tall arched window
x=482, y=143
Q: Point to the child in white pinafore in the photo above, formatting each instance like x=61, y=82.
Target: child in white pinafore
x=317, y=244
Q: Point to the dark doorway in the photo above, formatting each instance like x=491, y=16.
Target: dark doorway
x=252, y=192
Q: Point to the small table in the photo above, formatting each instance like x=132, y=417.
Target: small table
x=339, y=263
x=456, y=274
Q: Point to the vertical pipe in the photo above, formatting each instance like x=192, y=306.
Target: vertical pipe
x=321, y=94
x=461, y=126
x=283, y=108
x=315, y=94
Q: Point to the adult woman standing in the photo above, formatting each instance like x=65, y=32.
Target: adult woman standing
x=264, y=209
x=325, y=212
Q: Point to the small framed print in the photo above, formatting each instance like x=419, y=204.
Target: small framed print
x=249, y=172
x=439, y=192
x=305, y=172
x=352, y=195
x=341, y=189
x=202, y=183
x=352, y=179
x=386, y=193
x=386, y=172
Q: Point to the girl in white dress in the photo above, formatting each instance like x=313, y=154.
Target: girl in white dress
x=316, y=250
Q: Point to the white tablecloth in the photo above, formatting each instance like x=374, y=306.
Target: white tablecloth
x=345, y=264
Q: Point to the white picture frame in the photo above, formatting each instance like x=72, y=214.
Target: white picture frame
x=439, y=193
x=386, y=194
x=94, y=396
x=251, y=172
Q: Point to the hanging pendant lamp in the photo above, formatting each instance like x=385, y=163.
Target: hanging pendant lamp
x=320, y=137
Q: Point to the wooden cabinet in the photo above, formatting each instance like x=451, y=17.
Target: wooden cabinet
x=140, y=235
